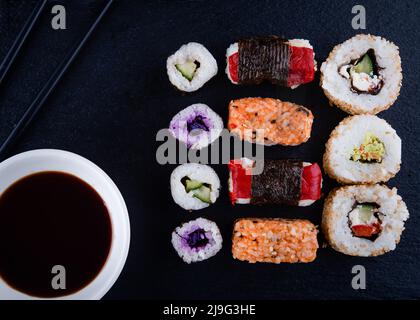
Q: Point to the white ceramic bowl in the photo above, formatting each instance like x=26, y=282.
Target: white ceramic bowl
x=34, y=161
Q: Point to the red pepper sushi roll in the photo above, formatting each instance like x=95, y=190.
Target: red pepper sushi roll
x=288, y=63
x=281, y=181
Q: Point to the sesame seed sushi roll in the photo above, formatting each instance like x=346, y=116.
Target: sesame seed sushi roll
x=270, y=121
x=364, y=220
x=274, y=240
x=362, y=75
x=191, y=67
x=288, y=63
x=194, y=186
x=280, y=182
x=197, y=126
x=362, y=149
x=197, y=240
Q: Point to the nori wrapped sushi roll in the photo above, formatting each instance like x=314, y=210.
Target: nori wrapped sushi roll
x=289, y=182
x=288, y=63
x=197, y=240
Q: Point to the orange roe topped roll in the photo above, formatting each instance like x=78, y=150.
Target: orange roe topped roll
x=274, y=240
x=270, y=121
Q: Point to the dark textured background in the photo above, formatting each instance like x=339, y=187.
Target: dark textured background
x=116, y=96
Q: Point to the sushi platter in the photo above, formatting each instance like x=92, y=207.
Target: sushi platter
x=328, y=111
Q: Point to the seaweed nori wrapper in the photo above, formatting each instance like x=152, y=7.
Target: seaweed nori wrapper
x=265, y=58
x=280, y=182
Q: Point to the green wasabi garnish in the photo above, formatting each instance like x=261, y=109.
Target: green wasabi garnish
x=371, y=150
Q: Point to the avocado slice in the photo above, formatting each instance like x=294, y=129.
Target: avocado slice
x=365, y=65
x=187, y=69
x=203, y=194
x=192, y=185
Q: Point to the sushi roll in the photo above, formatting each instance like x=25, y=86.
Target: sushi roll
x=274, y=240
x=364, y=220
x=197, y=126
x=362, y=75
x=197, y=240
x=194, y=186
x=288, y=63
x=281, y=182
x=270, y=121
x=191, y=67
x=362, y=149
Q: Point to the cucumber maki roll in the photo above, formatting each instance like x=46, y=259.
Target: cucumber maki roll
x=362, y=75
x=191, y=67
x=197, y=240
x=194, y=186
x=362, y=149
x=364, y=220
x=197, y=126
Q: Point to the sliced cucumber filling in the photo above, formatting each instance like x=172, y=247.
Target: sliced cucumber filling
x=365, y=65
x=192, y=185
x=203, y=194
x=187, y=69
x=200, y=190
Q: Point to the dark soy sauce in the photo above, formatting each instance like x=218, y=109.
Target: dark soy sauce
x=48, y=219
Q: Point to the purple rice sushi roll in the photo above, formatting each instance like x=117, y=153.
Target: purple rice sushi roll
x=197, y=126
x=197, y=240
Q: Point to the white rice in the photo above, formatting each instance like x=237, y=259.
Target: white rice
x=349, y=134
x=335, y=223
x=189, y=254
x=337, y=88
x=194, y=171
x=191, y=52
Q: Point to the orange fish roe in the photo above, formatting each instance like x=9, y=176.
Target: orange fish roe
x=274, y=240
x=270, y=121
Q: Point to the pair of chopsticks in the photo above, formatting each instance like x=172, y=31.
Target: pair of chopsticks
x=49, y=86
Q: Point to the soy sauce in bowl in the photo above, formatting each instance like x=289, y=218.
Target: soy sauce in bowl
x=52, y=219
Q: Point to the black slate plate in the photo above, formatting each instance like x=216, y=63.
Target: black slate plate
x=117, y=96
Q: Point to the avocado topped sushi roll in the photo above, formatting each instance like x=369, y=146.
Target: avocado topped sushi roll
x=362, y=75
x=364, y=220
x=363, y=149
x=194, y=186
x=191, y=67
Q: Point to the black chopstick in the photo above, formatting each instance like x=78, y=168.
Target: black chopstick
x=20, y=39
x=43, y=94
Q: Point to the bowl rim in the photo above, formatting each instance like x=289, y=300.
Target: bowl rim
x=120, y=239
